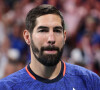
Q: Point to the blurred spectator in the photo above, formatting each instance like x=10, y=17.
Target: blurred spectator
x=14, y=62
x=2, y=32
x=3, y=55
x=74, y=13
x=96, y=49
x=2, y=26
x=96, y=11
x=90, y=24
x=96, y=39
x=77, y=57
x=85, y=38
x=16, y=37
x=96, y=68
x=82, y=54
x=27, y=6
x=51, y=2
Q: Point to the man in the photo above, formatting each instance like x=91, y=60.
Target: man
x=46, y=35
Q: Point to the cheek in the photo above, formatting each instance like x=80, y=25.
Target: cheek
x=39, y=40
x=60, y=42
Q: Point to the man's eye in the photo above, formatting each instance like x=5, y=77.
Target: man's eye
x=58, y=31
x=43, y=30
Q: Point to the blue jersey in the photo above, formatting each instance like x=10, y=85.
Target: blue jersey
x=71, y=77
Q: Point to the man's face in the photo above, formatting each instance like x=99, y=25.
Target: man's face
x=47, y=39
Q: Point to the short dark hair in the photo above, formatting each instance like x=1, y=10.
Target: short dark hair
x=39, y=11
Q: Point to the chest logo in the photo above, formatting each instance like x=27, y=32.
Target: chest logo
x=73, y=88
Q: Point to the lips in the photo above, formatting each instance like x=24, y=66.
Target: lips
x=50, y=51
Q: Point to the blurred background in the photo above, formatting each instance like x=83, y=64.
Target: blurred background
x=82, y=21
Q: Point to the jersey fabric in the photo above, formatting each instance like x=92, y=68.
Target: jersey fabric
x=71, y=77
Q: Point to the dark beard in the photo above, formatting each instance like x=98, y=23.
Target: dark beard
x=47, y=59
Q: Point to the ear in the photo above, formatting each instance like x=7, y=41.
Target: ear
x=26, y=36
x=64, y=35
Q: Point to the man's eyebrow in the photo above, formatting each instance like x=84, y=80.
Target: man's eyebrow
x=58, y=27
x=42, y=27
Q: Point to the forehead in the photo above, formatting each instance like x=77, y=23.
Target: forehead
x=48, y=20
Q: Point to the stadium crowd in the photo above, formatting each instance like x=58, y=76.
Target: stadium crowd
x=82, y=21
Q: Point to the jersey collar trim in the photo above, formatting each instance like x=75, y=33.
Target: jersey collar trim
x=36, y=77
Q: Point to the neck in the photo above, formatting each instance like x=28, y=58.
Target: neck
x=39, y=69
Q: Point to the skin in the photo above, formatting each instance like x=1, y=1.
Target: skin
x=42, y=37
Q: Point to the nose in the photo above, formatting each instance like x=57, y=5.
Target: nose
x=51, y=38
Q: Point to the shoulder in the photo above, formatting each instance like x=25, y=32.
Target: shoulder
x=83, y=73
x=13, y=79
x=78, y=70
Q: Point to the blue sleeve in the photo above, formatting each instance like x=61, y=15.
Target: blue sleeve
x=95, y=81
x=4, y=86
x=92, y=81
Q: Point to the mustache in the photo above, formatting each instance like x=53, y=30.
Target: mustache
x=49, y=48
